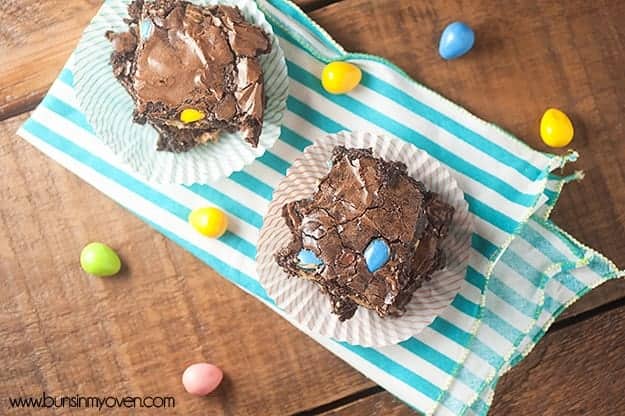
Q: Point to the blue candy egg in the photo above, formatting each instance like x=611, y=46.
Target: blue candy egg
x=308, y=260
x=377, y=254
x=456, y=40
x=146, y=28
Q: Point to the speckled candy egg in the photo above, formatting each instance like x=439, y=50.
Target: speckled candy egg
x=376, y=254
x=456, y=40
x=308, y=260
x=340, y=77
x=209, y=221
x=202, y=378
x=98, y=259
x=556, y=128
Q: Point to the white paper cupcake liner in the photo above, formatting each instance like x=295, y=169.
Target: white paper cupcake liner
x=303, y=300
x=108, y=107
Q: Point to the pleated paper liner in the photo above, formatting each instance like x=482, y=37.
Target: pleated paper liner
x=108, y=107
x=304, y=301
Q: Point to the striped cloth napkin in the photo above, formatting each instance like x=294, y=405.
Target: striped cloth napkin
x=523, y=271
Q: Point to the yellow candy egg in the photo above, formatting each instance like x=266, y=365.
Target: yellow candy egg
x=556, y=128
x=209, y=221
x=340, y=77
x=190, y=115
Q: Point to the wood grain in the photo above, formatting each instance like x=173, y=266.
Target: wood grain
x=64, y=332
x=37, y=37
x=528, y=56
x=380, y=404
x=573, y=371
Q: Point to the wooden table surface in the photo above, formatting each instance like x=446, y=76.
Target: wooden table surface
x=64, y=333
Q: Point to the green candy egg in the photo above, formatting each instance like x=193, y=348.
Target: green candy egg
x=99, y=260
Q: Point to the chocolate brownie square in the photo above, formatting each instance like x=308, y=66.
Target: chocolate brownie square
x=369, y=236
x=192, y=71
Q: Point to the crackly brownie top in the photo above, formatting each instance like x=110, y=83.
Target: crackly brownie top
x=178, y=55
x=364, y=206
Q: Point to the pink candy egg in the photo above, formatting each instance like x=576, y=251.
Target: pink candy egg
x=201, y=378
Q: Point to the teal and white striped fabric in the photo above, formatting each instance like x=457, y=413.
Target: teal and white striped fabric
x=523, y=271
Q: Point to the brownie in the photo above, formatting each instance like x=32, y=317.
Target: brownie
x=369, y=235
x=178, y=56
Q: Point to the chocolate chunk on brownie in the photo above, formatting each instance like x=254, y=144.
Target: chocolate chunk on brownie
x=369, y=235
x=192, y=71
